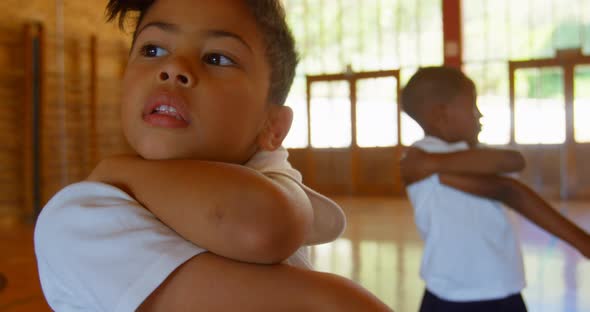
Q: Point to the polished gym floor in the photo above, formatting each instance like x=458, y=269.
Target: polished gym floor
x=380, y=249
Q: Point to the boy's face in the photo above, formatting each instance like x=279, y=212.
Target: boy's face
x=196, y=82
x=462, y=119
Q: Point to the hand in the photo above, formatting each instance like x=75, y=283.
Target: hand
x=416, y=165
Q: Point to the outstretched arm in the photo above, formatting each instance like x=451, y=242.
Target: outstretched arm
x=251, y=287
x=524, y=201
x=417, y=164
x=230, y=210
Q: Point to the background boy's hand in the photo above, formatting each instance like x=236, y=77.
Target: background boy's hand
x=415, y=165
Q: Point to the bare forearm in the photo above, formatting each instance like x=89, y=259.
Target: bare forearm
x=537, y=210
x=523, y=200
x=199, y=286
x=417, y=165
x=476, y=161
x=228, y=209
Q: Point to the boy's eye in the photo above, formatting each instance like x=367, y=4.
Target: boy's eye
x=151, y=50
x=218, y=60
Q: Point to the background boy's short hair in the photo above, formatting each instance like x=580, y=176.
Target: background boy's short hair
x=431, y=85
x=271, y=21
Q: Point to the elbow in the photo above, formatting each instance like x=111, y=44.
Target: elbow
x=278, y=237
x=519, y=161
x=270, y=246
x=515, y=163
x=507, y=191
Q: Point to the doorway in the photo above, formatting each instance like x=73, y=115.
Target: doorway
x=548, y=103
x=354, y=133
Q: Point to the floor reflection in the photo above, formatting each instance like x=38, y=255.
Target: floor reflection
x=381, y=249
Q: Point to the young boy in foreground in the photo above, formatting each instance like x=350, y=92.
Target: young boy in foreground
x=186, y=224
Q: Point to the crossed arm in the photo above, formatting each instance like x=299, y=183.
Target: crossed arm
x=477, y=171
x=212, y=283
x=230, y=210
x=237, y=214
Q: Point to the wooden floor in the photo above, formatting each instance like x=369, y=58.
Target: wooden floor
x=381, y=249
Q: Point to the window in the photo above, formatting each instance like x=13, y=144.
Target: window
x=363, y=35
x=540, y=107
x=496, y=31
x=582, y=104
x=376, y=112
x=330, y=114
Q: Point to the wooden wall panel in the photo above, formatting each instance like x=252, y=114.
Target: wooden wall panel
x=377, y=171
x=66, y=112
x=582, y=179
x=331, y=171
x=11, y=90
x=542, y=172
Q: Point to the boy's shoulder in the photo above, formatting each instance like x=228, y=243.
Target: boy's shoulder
x=87, y=190
x=97, y=246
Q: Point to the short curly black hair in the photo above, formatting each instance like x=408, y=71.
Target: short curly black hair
x=430, y=85
x=271, y=21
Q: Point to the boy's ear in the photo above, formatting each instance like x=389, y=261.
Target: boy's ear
x=276, y=128
x=437, y=117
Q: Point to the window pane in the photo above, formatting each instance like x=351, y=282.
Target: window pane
x=541, y=25
x=297, y=137
x=411, y=131
x=568, y=32
x=330, y=114
x=473, y=29
x=430, y=34
x=540, y=107
x=496, y=119
x=376, y=113
x=582, y=104
x=369, y=44
x=586, y=26
x=497, y=43
x=365, y=34
x=491, y=80
x=408, y=38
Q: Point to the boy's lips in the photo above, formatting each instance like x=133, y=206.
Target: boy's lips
x=166, y=110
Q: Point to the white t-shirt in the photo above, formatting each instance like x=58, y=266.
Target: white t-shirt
x=471, y=250
x=99, y=250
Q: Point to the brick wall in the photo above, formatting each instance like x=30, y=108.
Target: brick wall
x=69, y=147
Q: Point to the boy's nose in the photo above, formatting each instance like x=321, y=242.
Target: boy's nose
x=177, y=74
x=182, y=79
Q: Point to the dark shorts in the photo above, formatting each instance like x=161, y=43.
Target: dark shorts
x=432, y=303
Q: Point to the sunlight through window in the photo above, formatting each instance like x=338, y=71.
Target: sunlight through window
x=411, y=130
x=297, y=137
x=330, y=115
x=582, y=104
x=366, y=35
x=539, y=108
x=376, y=112
x=496, y=119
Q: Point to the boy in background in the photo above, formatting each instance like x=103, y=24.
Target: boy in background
x=187, y=223
x=472, y=259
